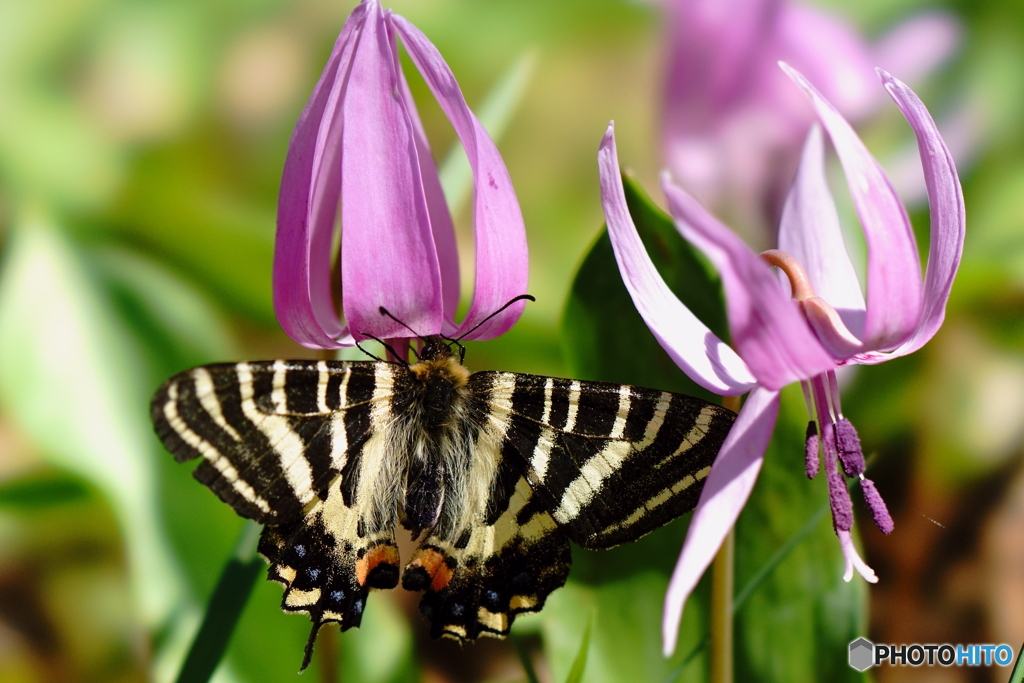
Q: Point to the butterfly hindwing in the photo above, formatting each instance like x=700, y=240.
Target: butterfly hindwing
x=611, y=462
x=504, y=564
x=328, y=562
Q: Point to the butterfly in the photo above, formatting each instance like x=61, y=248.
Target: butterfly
x=493, y=472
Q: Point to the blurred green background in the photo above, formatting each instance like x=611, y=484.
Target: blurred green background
x=141, y=145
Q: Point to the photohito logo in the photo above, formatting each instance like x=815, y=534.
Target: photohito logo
x=864, y=654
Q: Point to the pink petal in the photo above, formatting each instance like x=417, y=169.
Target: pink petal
x=810, y=232
x=711, y=112
x=831, y=52
x=713, y=43
x=948, y=217
x=767, y=327
x=388, y=256
x=695, y=349
x=440, y=216
x=725, y=493
x=731, y=121
x=307, y=206
x=894, y=270
x=829, y=328
x=501, y=257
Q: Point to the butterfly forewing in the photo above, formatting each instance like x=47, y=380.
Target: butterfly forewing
x=611, y=462
x=272, y=435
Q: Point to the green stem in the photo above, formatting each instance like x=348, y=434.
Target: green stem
x=224, y=608
x=722, y=609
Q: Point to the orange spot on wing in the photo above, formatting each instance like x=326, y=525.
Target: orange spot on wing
x=441, y=577
x=381, y=554
x=433, y=562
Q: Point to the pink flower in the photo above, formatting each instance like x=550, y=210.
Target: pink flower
x=359, y=150
x=799, y=328
x=732, y=125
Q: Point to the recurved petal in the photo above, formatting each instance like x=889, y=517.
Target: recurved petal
x=308, y=204
x=894, y=270
x=767, y=328
x=830, y=328
x=948, y=218
x=502, y=264
x=388, y=256
x=725, y=493
x=810, y=232
x=694, y=348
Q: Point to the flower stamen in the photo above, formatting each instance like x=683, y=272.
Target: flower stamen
x=812, y=444
x=828, y=427
x=812, y=439
x=879, y=512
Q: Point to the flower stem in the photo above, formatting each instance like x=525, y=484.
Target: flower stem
x=722, y=576
x=722, y=590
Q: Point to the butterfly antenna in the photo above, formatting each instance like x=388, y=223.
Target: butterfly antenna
x=480, y=324
x=386, y=346
x=386, y=312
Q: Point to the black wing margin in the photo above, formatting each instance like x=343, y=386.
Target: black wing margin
x=272, y=434
x=611, y=462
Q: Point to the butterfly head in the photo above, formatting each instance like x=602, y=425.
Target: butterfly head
x=436, y=348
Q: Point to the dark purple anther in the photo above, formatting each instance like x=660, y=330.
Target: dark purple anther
x=811, y=459
x=877, y=506
x=850, y=452
x=838, y=496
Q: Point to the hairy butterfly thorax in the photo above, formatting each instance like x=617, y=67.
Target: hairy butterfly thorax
x=493, y=473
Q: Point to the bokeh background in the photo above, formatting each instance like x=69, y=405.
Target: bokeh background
x=141, y=145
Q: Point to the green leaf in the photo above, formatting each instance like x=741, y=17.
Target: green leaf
x=604, y=336
x=223, y=610
x=381, y=649
x=72, y=378
x=580, y=663
x=624, y=621
x=1017, y=675
x=525, y=660
x=42, y=490
x=177, y=322
x=225, y=242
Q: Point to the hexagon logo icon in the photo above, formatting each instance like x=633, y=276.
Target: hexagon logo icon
x=862, y=654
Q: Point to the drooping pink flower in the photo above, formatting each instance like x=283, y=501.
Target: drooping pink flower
x=732, y=126
x=799, y=328
x=359, y=152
